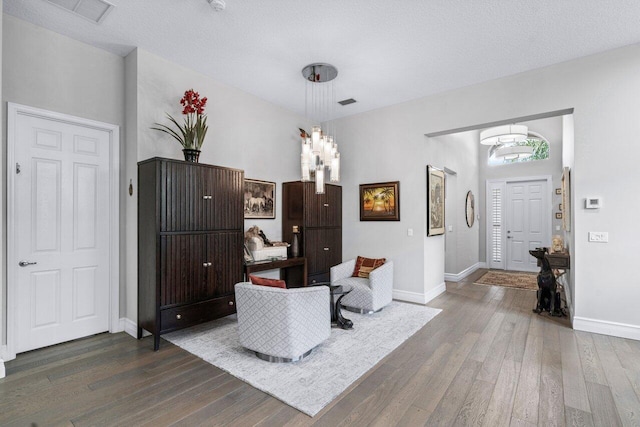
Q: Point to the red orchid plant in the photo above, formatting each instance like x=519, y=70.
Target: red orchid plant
x=192, y=133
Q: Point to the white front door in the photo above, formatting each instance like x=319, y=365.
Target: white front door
x=527, y=222
x=61, y=219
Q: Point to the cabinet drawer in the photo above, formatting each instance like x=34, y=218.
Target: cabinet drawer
x=319, y=278
x=187, y=315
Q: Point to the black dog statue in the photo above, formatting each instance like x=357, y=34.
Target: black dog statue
x=548, y=297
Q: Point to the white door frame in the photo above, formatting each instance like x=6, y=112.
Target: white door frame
x=13, y=111
x=505, y=181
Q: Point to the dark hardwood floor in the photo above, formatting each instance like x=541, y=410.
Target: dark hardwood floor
x=485, y=360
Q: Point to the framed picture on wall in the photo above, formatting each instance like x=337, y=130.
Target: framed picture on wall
x=566, y=199
x=435, y=201
x=259, y=199
x=380, y=201
x=469, y=209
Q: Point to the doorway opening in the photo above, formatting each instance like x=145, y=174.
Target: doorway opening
x=460, y=149
x=518, y=215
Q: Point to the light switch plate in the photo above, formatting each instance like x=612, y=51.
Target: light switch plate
x=598, y=236
x=592, y=203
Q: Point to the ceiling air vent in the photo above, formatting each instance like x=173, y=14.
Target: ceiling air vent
x=93, y=10
x=346, y=101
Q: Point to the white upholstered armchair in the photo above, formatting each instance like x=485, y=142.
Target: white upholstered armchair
x=282, y=325
x=368, y=295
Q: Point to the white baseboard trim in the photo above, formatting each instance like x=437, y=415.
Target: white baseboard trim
x=603, y=327
x=4, y=353
x=118, y=326
x=417, y=297
x=129, y=326
x=441, y=288
x=450, y=277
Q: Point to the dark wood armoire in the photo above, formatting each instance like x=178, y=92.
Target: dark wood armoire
x=319, y=219
x=190, y=243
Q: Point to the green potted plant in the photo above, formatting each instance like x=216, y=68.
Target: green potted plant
x=191, y=134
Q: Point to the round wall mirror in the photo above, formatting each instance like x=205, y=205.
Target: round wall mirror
x=469, y=207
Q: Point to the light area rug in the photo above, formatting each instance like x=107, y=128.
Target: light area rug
x=312, y=383
x=519, y=280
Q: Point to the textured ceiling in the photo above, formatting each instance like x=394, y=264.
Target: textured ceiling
x=386, y=51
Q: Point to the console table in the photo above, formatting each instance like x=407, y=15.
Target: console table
x=559, y=260
x=292, y=270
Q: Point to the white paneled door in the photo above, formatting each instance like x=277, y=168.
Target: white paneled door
x=61, y=223
x=527, y=222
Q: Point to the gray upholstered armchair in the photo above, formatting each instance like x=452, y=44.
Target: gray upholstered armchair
x=282, y=325
x=368, y=295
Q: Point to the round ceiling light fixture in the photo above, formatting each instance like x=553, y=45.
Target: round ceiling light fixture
x=507, y=134
x=319, y=72
x=512, y=152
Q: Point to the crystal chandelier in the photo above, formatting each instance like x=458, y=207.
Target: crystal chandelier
x=319, y=149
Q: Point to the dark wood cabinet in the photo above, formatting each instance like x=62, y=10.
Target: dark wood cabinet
x=190, y=243
x=319, y=219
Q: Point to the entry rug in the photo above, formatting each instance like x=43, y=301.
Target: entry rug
x=312, y=383
x=519, y=280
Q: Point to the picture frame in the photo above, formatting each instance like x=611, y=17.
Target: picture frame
x=380, y=201
x=469, y=208
x=566, y=199
x=435, y=201
x=558, y=215
x=558, y=190
x=247, y=255
x=259, y=199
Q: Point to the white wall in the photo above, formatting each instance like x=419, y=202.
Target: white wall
x=245, y=132
x=3, y=198
x=379, y=151
x=461, y=155
x=47, y=70
x=130, y=161
x=602, y=89
x=568, y=147
x=451, y=212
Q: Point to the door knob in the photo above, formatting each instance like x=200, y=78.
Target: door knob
x=26, y=263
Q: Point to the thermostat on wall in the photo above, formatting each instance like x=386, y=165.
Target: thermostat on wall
x=592, y=203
